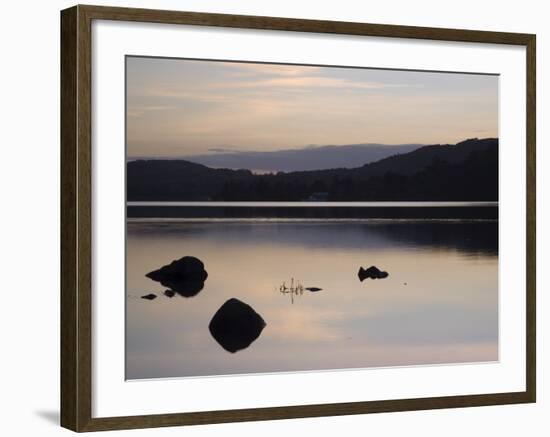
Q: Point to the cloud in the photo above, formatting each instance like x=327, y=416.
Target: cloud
x=140, y=110
x=187, y=107
x=254, y=70
x=301, y=82
x=260, y=81
x=221, y=150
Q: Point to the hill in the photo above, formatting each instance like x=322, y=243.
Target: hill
x=304, y=159
x=464, y=171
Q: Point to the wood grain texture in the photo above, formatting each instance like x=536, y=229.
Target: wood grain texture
x=76, y=218
x=84, y=217
x=303, y=411
x=301, y=25
x=531, y=207
x=68, y=347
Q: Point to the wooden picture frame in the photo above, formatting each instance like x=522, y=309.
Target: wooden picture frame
x=76, y=217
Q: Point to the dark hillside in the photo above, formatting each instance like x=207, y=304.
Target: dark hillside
x=465, y=171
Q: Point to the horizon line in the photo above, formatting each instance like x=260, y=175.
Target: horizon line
x=222, y=149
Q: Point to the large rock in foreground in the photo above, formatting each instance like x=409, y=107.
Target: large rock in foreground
x=236, y=325
x=372, y=272
x=185, y=276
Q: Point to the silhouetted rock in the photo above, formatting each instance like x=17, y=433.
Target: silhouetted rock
x=372, y=272
x=185, y=276
x=236, y=325
x=313, y=289
x=169, y=293
x=149, y=296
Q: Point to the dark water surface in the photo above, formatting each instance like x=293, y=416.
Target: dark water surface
x=439, y=303
x=314, y=210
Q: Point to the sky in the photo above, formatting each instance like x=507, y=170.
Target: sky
x=182, y=108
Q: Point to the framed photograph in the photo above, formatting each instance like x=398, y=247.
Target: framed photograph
x=268, y=218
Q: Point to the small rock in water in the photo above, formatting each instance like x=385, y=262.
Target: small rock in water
x=185, y=276
x=169, y=293
x=372, y=272
x=313, y=289
x=149, y=296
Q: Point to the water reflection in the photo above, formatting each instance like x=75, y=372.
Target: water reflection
x=293, y=289
x=447, y=312
x=467, y=236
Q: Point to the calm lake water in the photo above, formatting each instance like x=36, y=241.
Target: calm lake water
x=439, y=303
